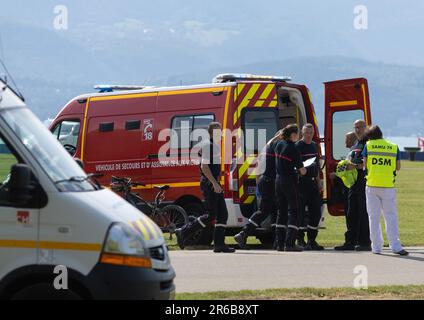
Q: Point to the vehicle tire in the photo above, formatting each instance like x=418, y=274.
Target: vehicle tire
x=44, y=291
x=171, y=217
x=203, y=237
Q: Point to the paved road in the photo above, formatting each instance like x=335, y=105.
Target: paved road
x=203, y=270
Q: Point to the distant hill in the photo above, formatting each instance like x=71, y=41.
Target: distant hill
x=396, y=91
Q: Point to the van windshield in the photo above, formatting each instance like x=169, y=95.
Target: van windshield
x=47, y=151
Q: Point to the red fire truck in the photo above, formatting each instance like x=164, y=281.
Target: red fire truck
x=117, y=133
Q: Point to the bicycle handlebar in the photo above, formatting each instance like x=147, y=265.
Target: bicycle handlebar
x=127, y=182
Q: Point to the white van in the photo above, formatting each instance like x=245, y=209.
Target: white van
x=52, y=214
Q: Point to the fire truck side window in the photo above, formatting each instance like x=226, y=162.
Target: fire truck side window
x=201, y=122
x=183, y=127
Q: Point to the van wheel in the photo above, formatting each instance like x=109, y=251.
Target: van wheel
x=44, y=291
x=203, y=237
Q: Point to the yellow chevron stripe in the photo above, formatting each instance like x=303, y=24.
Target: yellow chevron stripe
x=244, y=168
x=273, y=103
x=153, y=229
x=240, y=88
x=259, y=103
x=266, y=92
x=249, y=199
x=246, y=165
x=241, y=191
x=253, y=174
x=143, y=230
x=247, y=98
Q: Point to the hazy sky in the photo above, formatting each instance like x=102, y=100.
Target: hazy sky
x=189, y=41
x=254, y=30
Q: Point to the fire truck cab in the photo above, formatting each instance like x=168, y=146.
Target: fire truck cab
x=120, y=132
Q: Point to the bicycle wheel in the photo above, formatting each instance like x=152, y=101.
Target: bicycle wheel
x=171, y=217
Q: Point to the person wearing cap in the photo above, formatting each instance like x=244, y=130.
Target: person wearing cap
x=382, y=162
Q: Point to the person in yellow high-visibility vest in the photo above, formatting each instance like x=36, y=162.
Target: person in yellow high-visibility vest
x=382, y=161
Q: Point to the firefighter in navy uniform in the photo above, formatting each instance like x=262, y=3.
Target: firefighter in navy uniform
x=210, y=171
x=266, y=172
x=357, y=236
x=289, y=165
x=310, y=188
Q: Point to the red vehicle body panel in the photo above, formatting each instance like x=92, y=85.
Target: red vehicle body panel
x=341, y=96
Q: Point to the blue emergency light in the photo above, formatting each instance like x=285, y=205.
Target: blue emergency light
x=111, y=88
x=231, y=77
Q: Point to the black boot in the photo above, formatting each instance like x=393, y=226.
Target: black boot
x=312, y=244
x=301, y=238
x=274, y=243
x=219, y=241
x=186, y=231
x=291, y=241
x=280, y=238
x=241, y=237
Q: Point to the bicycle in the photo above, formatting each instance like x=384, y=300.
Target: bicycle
x=168, y=218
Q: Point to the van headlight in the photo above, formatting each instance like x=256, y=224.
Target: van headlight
x=124, y=246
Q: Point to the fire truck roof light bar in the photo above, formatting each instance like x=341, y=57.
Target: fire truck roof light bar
x=110, y=88
x=231, y=77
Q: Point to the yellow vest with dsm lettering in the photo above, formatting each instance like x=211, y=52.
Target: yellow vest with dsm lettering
x=381, y=163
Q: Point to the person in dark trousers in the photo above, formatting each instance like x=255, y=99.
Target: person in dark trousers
x=210, y=171
x=266, y=172
x=289, y=165
x=310, y=192
x=350, y=140
x=357, y=236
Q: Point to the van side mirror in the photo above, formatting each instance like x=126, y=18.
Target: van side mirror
x=20, y=184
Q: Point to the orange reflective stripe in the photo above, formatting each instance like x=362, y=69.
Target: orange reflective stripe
x=51, y=245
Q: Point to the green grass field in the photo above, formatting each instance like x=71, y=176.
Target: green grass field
x=410, y=186
x=6, y=161
x=374, y=293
